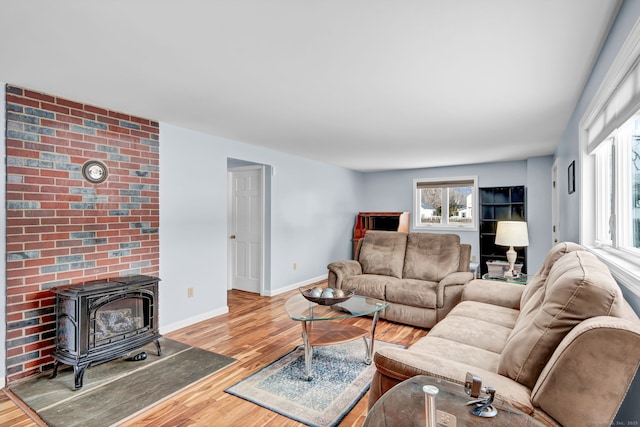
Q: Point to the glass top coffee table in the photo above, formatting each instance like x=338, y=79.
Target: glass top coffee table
x=404, y=406
x=317, y=331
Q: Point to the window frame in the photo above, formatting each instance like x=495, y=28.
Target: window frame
x=612, y=188
x=601, y=119
x=446, y=183
x=603, y=182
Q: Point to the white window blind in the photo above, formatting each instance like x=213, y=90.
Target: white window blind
x=450, y=183
x=623, y=102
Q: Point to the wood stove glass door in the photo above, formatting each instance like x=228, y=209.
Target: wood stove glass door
x=118, y=320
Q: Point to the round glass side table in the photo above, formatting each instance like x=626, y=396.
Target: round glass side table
x=404, y=406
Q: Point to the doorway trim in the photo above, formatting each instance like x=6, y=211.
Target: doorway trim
x=555, y=203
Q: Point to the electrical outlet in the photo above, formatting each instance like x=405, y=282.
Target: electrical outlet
x=473, y=258
x=189, y=292
x=295, y=266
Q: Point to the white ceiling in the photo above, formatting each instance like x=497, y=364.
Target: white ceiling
x=363, y=84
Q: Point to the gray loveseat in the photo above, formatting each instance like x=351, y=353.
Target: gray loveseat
x=422, y=275
x=563, y=349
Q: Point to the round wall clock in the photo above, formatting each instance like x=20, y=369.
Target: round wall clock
x=94, y=171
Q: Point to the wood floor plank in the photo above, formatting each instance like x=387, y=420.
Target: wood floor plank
x=256, y=331
x=12, y=414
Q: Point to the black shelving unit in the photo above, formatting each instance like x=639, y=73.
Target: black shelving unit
x=500, y=204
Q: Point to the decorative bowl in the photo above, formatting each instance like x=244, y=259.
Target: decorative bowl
x=325, y=301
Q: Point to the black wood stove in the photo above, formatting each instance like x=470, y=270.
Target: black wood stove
x=102, y=320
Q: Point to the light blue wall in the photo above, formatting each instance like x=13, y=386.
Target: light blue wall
x=539, y=210
x=393, y=191
x=313, y=210
x=569, y=147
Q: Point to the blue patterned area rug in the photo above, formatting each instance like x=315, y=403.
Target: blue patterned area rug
x=340, y=379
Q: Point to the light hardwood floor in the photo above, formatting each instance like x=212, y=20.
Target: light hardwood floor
x=256, y=331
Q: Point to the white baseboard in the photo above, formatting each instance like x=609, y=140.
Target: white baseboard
x=214, y=313
x=279, y=291
x=192, y=320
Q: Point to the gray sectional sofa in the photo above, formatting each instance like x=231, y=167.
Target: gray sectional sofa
x=422, y=275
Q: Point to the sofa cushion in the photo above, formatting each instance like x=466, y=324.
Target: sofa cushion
x=494, y=314
x=415, y=293
x=431, y=256
x=476, y=333
x=415, y=316
x=578, y=287
x=537, y=281
x=461, y=352
x=369, y=285
x=382, y=253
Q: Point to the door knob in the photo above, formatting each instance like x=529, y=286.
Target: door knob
x=233, y=236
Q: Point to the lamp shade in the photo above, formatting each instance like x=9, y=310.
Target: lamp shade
x=512, y=233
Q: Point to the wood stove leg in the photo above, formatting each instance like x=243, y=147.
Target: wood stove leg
x=157, y=343
x=79, y=375
x=55, y=370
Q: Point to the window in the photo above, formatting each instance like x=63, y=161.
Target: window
x=445, y=203
x=609, y=182
x=617, y=187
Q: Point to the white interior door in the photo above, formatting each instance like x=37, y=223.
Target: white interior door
x=245, y=229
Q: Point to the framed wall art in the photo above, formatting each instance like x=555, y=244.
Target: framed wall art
x=571, y=176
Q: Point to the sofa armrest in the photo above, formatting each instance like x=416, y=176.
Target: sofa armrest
x=465, y=257
x=339, y=270
x=589, y=373
x=458, y=278
x=493, y=292
x=394, y=365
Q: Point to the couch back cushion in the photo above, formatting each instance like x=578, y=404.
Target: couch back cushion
x=578, y=287
x=533, y=291
x=382, y=252
x=431, y=256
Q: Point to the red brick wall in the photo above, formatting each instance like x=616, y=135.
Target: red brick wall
x=61, y=229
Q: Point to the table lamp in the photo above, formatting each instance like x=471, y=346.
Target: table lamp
x=512, y=233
